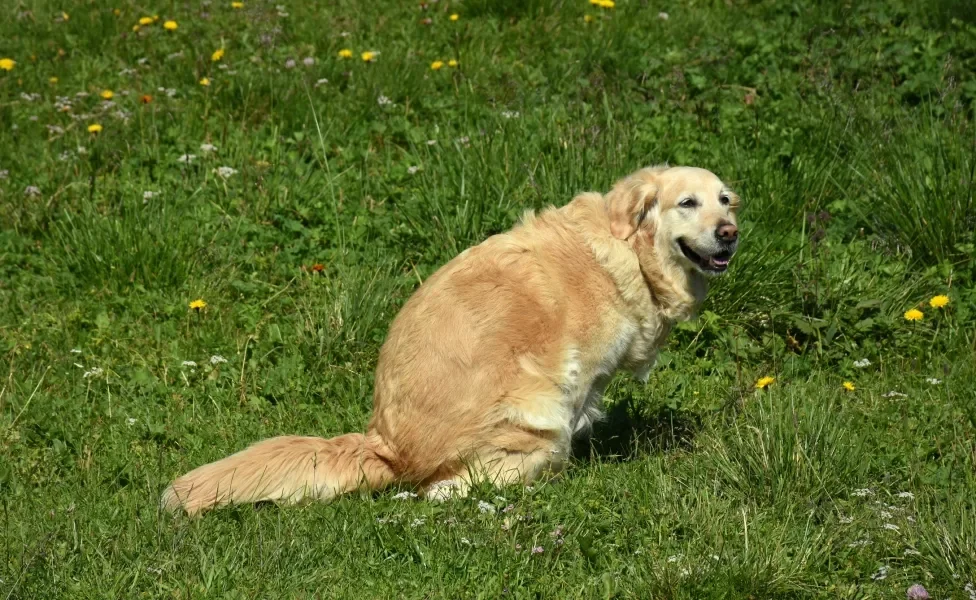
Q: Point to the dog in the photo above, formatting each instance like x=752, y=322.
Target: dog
x=501, y=357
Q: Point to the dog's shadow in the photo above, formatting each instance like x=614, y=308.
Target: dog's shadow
x=628, y=433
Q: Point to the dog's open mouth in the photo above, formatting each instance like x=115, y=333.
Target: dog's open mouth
x=716, y=263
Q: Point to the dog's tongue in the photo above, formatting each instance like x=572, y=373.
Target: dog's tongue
x=719, y=262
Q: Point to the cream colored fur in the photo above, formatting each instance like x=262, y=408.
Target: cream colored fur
x=502, y=355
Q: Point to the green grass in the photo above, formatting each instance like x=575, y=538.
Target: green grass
x=847, y=128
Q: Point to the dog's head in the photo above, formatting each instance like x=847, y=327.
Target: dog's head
x=682, y=216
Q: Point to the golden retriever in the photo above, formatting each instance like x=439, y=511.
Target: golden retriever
x=501, y=356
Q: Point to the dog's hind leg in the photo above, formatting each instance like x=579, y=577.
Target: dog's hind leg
x=501, y=467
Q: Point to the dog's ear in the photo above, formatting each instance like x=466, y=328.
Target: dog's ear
x=628, y=204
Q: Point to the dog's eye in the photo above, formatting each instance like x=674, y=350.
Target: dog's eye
x=724, y=200
x=688, y=203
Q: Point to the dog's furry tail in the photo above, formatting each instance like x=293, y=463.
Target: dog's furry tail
x=284, y=469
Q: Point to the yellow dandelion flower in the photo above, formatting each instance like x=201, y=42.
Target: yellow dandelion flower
x=437, y=65
x=7, y=64
x=764, y=382
x=849, y=386
x=136, y=27
x=170, y=25
x=217, y=55
x=368, y=56
x=237, y=5
x=52, y=80
x=603, y=3
x=94, y=128
x=345, y=53
x=939, y=301
x=155, y=18
x=198, y=304
x=454, y=17
x=205, y=81
x=107, y=94
x=587, y=18
x=913, y=315
x=116, y=12
x=146, y=21
x=64, y=16
x=452, y=63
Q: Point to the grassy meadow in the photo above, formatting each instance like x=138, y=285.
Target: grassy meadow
x=210, y=211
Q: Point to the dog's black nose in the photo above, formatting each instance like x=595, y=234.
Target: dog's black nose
x=727, y=232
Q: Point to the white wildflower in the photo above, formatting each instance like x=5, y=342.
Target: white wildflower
x=971, y=590
x=384, y=101
x=861, y=493
x=906, y=495
x=207, y=148
x=226, y=172
x=149, y=195
x=217, y=359
x=884, y=514
x=93, y=372
x=933, y=381
x=404, y=496
x=322, y=81
x=911, y=552
x=413, y=169
x=846, y=520
x=130, y=421
x=860, y=364
x=510, y=114
x=892, y=527
x=417, y=522
x=189, y=363
x=31, y=191
x=431, y=142
x=894, y=394
x=882, y=573
x=76, y=350
x=187, y=158
x=663, y=16
x=859, y=543
x=486, y=507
